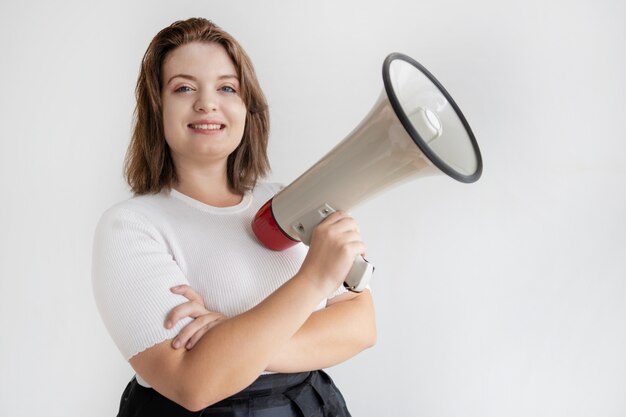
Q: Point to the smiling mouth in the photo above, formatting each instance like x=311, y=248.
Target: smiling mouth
x=206, y=126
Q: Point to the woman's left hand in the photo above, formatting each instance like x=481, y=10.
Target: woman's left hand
x=203, y=319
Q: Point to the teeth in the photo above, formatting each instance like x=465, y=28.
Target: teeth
x=206, y=126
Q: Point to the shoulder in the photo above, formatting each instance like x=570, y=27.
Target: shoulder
x=138, y=208
x=266, y=189
x=146, y=215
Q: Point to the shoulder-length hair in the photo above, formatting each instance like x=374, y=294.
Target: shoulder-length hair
x=148, y=166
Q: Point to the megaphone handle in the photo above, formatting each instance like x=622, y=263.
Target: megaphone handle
x=359, y=276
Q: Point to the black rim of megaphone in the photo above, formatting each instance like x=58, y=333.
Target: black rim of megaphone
x=419, y=141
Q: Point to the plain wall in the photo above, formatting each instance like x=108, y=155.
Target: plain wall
x=501, y=298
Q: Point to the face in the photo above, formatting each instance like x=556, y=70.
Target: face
x=203, y=113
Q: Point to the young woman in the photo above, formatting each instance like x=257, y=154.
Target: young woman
x=213, y=323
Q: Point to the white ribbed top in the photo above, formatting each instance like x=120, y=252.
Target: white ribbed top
x=148, y=244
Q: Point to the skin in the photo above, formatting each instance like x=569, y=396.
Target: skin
x=224, y=355
x=200, y=84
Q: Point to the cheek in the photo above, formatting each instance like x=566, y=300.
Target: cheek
x=241, y=113
x=169, y=119
x=242, y=124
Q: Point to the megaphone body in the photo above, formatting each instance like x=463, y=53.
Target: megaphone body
x=413, y=130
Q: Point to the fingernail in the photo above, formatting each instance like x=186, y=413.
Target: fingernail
x=168, y=324
x=176, y=344
x=175, y=288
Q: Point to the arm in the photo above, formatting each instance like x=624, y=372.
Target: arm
x=330, y=336
x=232, y=353
x=235, y=351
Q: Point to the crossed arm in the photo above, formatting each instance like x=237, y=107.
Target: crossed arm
x=282, y=333
x=232, y=352
x=328, y=337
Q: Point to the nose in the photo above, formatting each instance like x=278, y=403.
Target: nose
x=206, y=102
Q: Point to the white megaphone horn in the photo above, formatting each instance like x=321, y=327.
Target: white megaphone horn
x=415, y=129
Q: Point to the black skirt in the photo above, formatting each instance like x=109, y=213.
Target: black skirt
x=306, y=394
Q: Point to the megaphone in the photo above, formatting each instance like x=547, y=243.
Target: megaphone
x=415, y=129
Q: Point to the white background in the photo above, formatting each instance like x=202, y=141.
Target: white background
x=506, y=297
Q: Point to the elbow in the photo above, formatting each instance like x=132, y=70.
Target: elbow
x=369, y=317
x=196, y=397
x=367, y=335
x=371, y=333
x=193, y=407
x=194, y=403
x=370, y=339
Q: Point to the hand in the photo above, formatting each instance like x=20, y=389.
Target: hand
x=203, y=319
x=335, y=243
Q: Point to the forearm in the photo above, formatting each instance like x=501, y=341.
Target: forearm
x=329, y=336
x=233, y=353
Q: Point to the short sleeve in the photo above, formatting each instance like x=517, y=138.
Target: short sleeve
x=132, y=273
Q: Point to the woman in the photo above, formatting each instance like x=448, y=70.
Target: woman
x=212, y=322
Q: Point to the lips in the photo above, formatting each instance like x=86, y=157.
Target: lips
x=206, y=125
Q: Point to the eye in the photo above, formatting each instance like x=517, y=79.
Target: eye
x=228, y=89
x=183, y=89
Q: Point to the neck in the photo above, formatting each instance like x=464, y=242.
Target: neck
x=208, y=185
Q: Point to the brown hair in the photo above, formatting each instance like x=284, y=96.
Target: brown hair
x=148, y=166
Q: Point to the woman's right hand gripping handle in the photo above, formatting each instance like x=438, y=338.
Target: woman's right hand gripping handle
x=335, y=243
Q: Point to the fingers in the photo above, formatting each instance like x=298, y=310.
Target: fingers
x=343, y=227
x=203, y=319
x=337, y=223
x=339, y=217
x=188, y=309
x=198, y=335
x=335, y=243
x=194, y=331
x=188, y=292
x=193, y=308
x=357, y=247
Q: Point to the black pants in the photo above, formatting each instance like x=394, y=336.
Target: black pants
x=306, y=394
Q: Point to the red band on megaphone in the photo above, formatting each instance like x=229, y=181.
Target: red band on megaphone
x=267, y=230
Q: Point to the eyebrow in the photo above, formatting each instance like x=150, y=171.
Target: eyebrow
x=192, y=78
